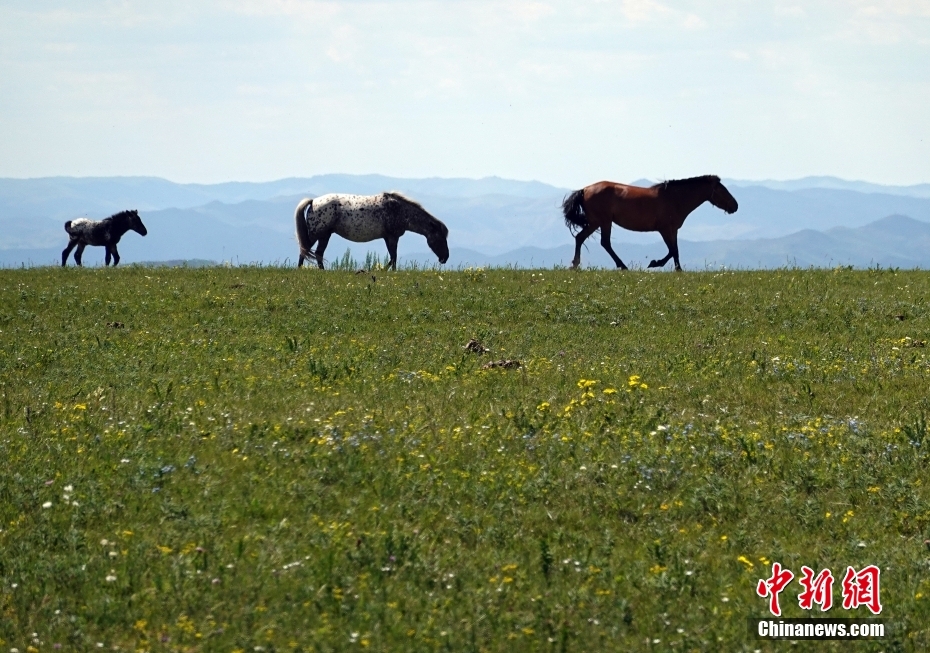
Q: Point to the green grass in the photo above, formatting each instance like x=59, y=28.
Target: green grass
x=296, y=460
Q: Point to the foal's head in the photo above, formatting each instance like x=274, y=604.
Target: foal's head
x=130, y=220
x=721, y=197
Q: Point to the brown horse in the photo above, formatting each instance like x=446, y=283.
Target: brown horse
x=661, y=208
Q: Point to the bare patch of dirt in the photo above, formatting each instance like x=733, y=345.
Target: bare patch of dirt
x=504, y=363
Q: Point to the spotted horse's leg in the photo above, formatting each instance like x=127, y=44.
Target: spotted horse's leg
x=320, y=248
x=391, y=242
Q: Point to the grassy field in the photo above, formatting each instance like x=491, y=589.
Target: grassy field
x=261, y=459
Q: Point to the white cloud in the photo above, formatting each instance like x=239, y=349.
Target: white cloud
x=301, y=9
x=789, y=11
x=886, y=22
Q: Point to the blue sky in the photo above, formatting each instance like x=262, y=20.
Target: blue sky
x=563, y=92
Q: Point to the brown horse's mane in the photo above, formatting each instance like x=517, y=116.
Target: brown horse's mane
x=678, y=183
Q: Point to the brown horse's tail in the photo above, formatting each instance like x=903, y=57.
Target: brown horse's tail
x=573, y=209
x=303, y=233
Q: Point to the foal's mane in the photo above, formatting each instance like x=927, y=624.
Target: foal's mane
x=680, y=183
x=121, y=215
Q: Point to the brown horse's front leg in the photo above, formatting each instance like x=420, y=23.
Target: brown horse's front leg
x=580, y=237
x=671, y=240
x=661, y=262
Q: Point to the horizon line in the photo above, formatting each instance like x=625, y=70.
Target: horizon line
x=739, y=180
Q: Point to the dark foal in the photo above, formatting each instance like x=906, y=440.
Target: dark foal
x=106, y=232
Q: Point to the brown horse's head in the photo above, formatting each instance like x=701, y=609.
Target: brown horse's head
x=721, y=197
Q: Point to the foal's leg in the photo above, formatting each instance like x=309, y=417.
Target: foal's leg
x=66, y=251
x=580, y=237
x=605, y=243
x=392, y=250
x=671, y=240
x=78, y=253
x=115, y=255
x=320, y=248
x=106, y=256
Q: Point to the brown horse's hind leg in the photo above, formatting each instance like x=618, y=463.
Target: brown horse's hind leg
x=671, y=240
x=580, y=237
x=605, y=243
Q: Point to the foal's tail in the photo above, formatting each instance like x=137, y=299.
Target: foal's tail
x=573, y=209
x=68, y=226
x=303, y=233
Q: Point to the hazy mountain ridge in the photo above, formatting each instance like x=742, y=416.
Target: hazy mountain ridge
x=835, y=183
x=894, y=241
x=65, y=198
x=493, y=220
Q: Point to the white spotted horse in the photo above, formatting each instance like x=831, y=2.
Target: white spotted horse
x=106, y=233
x=363, y=218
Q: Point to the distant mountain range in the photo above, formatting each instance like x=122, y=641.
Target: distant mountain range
x=894, y=241
x=819, y=221
x=833, y=183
